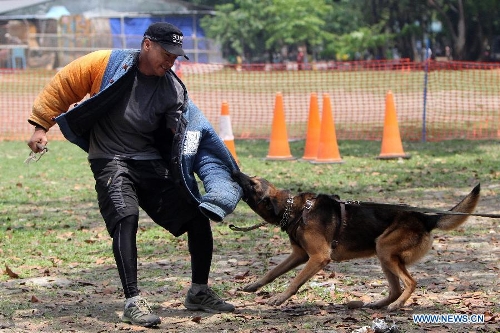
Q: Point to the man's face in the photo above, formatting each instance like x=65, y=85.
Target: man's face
x=154, y=60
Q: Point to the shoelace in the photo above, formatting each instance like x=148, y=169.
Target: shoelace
x=214, y=299
x=143, y=306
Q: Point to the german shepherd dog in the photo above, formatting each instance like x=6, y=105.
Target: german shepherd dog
x=322, y=229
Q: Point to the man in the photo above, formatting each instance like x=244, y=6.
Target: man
x=300, y=59
x=145, y=141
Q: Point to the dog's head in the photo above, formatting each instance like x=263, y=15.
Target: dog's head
x=262, y=197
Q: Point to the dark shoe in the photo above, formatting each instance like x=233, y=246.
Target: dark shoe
x=207, y=301
x=139, y=313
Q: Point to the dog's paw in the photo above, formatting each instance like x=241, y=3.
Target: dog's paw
x=394, y=306
x=252, y=287
x=277, y=300
x=374, y=305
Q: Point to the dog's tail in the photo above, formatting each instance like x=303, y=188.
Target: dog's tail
x=467, y=205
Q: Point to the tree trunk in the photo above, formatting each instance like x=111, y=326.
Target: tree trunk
x=457, y=33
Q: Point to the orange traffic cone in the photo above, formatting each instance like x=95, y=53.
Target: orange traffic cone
x=328, y=150
x=313, y=130
x=226, y=131
x=279, y=149
x=391, y=140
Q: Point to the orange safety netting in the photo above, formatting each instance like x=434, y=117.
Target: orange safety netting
x=438, y=100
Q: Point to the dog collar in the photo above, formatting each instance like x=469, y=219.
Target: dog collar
x=285, y=220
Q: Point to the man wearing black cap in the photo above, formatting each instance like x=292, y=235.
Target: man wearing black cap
x=145, y=141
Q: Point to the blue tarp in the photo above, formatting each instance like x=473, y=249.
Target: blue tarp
x=134, y=28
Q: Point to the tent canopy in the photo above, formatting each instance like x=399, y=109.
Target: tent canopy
x=10, y=5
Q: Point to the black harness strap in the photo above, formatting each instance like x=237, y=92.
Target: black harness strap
x=341, y=223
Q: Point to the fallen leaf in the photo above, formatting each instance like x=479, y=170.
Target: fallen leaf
x=241, y=276
x=350, y=319
x=107, y=291
x=453, y=301
x=86, y=283
x=10, y=273
x=260, y=300
x=488, y=316
x=232, y=292
x=354, y=304
x=100, y=261
x=34, y=299
x=196, y=319
x=65, y=236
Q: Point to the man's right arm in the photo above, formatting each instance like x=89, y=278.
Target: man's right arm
x=70, y=85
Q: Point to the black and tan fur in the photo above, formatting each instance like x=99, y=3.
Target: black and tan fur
x=326, y=232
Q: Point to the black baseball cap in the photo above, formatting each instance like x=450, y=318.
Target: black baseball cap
x=168, y=36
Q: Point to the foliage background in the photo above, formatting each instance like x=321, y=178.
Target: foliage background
x=348, y=29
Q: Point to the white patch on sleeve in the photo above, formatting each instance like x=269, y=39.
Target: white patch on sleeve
x=191, y=143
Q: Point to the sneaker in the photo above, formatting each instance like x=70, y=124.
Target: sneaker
x=207, y=301
x=139, y=313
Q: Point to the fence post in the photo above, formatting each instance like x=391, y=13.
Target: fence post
x=426, y=71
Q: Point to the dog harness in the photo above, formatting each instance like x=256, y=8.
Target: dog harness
x=341, y=223
x=290, y=226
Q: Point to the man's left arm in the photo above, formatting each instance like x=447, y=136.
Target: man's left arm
x=214, y=166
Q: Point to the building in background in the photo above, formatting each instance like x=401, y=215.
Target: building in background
x=51, y=33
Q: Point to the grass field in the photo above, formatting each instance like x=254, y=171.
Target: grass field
x=59, y=275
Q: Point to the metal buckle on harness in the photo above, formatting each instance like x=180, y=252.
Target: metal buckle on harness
x=309, y=204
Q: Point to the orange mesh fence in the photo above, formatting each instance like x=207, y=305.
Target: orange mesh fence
x=434, y=101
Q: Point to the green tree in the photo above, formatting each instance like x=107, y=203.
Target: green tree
x=470, y=25
x=257, y=28
x=239, y=27
x=404, y=21
x=341, y=28
x=296, y=23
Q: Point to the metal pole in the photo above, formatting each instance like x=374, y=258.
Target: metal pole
x=426, y=70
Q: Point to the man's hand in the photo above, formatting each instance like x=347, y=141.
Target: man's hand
x=38, y=140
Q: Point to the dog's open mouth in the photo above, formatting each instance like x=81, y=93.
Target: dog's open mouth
x=244, y=182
